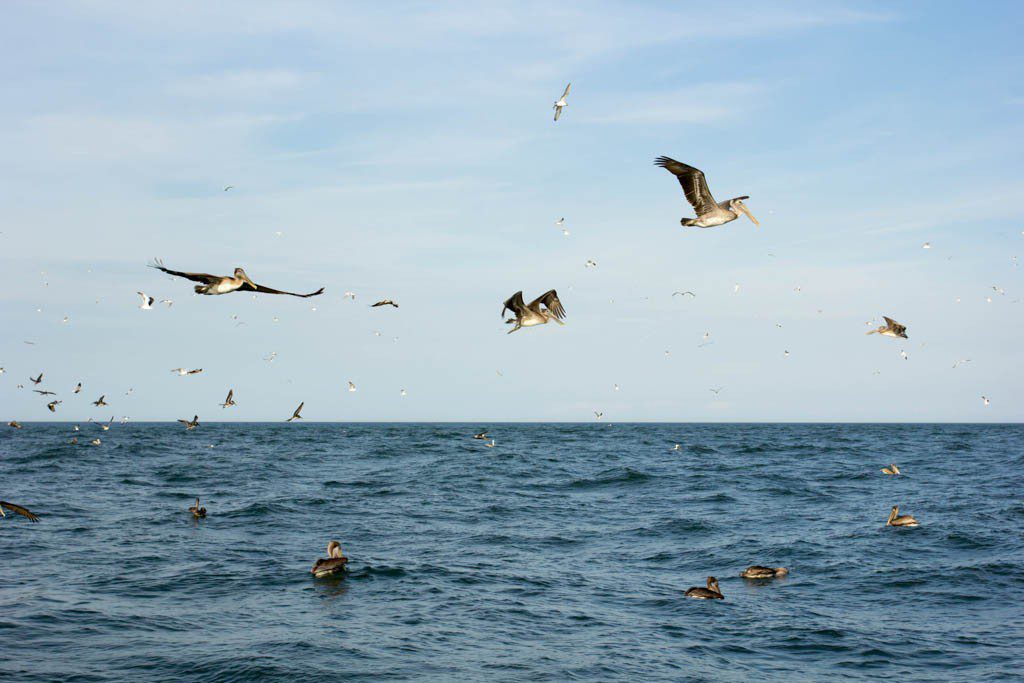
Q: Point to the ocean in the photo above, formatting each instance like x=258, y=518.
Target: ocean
x=560, y=554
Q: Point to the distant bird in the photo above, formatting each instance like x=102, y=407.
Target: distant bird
x=926, y=245
x=147, y=301
x=785, y=354
x=295, y=415
x=985, y=400
x=351, y=387
x=712, y=592
x=333, y=564
x=17, y=509
x=598, y=415
x=95, y=442
x=225, y=284
x=891, y=328
x=591, y=263
x=73, y=441
x=99, y=403
x=736, y=288
x=891, y=469
x=533, y=314
x=168, y=302
x=230, y=400
x=45, y=393
x=561, y=103
x=15, y=424
x=561, y=224
x=615, y=387
x=490, y=444
x=65, y=319
x=758, y=572
x=903, y=355
x=677, y=447
x=960, y=362
x=349, y=295
x=52, y=405
x=181, y=372
x=403, y=393
x=197, y=512
x=190, y=424
x=716, y=391
x=78, y=388
x=896, y=520
x=385, y=302
x=228, y=187
x=36, y=380
x=684, y=294
x=481, y=435
x=709, y=213
x=271, y=357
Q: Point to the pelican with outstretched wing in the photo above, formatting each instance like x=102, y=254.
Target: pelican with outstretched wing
x=540, y=311
x=296, y=415
x=891, y=328
x=710, y=213
x=18, y=510
x=225, y=284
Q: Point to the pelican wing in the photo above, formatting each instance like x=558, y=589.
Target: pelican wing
x=694, y=185
x=330, y=564
x=515, y=304
x=253, y=287
x=550, y=301
x=231, y=393
x=566, y=93
x=296, y=415
x=896, y=327
x=197, y=277
x=19, y=510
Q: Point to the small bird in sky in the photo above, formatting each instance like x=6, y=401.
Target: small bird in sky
x=716, y=391
x=100, y=402
x=52, y=406
x=891, y=328
x=960, y=362
x=736, y=288
x=985, y=400
x=385, y=302
x=147, y=301
x=104, y=427
x=181, y=372
x=41, y=392
x=903, y=355
x=296, y=415
x=926, y=245
x=351, y=386
x=684, y=294
x=167, y=302
x=190, y=424
x=615, y=387
x=36, y=380
x=561, y=225
x=230, y=400
x=228, y=187
x=598, y=415
x=64, y=320
x=78, y=388
x=403, y=393
x=271, y=357
x=561, y=103
x=349, y=295
x=591, y=263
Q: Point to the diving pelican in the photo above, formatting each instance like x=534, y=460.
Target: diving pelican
x=16, y=509
x=197, y=511
x=710, y=593
x=190, y=424
x=758, y=572
x=561, y=103
x=295, y=415
x=334, y=563
x=895, y=519
x=224, y=284
x=891, y=328
x=230, y=400
x=891, y=469
x=710, y=213
x=533, y=314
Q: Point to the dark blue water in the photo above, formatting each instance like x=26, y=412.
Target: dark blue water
x=560, y=554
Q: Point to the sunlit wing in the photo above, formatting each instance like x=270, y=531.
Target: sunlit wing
x=550, y=301
x=694, y=185
x=19, y=510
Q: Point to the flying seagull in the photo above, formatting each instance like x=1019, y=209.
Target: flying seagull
x=709, y=212
x=561, y=103
x=230, y=400
x=385, y=302
x=190, y=424
x=533, y=314
x=18, y=510
x=351, y=386
x=224, y=284
x=100, y=402
x=147, y=301
x=891, y=328
x=295, y=415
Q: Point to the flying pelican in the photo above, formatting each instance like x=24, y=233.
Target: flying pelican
x=712, y=592
x=17, y=509
x=181, y=372
x=147, y=301
x=716, y=391
x=895, y=519
x=104, y=427
x=295, y=415
x=190, y=424
x=481, y=435
x=229, y=401
x=891, y=469
x=41, y=392
x=385, y=302
x=960, y=362
x=985, y=400
x=100, y=402
x=684, y=294
x=78, y=388
x=224, y=284
x=334, y=563
x=533, y=314
x=758, y=572
x=561, y=103
x=891, y=328
x=709, y=213
x=597, y=415
x=52, y=405
x=36, y=380
x=197, y=511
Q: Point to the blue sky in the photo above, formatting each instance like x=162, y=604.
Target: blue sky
x=406, y=150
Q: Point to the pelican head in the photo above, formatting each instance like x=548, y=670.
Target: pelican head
x=334, y=550
x=240, y=274
x=738, y=206
x=893, y=514
x=713, y=584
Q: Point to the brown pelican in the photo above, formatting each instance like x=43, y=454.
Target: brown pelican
x=230, y=400
x=45, y=393
x=481, y=435
x=533, y=314
x=16, y=509
x=385, y=302
x=709, y=212
x=36, y=380
x=758, y=572
x=225, y=284
x=181, y=372
x=891, y=328
x=295, y=415
x=15, y=424
x=52, y=405
x=710, y=593
x=197, y=511
x=561, y=103
x=190, y=424
x=891, y=469
x=100, y=402
x=334, y=563
x=895, y=519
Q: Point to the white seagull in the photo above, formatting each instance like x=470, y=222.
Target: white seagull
x=561, y=103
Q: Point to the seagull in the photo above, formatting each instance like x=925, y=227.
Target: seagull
x=45, y=393
x=225, y=284
x=349, y=295
x=17, y=509
x=709, y=213
x=891, y=328
x=228, y=187
x=998, y=290
x=598, y=415
x=591, y=263
x=271, y=357
x=36, y=380
x=615, y=387
x=533, y=314
x=100, y=402
x=677, y=447
x=52, y=405
x=736, y=288
x=961, y=362
x=351, y=386
x=65, y=319
x=78, y=388
x=490, y=444
x=295, y=415
x=190, y=424
x=926, y=245
x=168, y=302
x=403, y=393
x=230, y=400
x=561, y=103
x=14, y=424
x=985, y=400
x=96, y=442
x=385, y=302
x=684, y=294
x=903, y=355
x=716, y=391
x=181, y=372
x=147, y=301
x=561, y=224
x=785, y=354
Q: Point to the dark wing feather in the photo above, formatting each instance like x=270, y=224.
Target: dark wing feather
x=330, y=564
x=515, y=304
x=197, y=277
x=19, y=510
x=253, y=287
x=694, y=185
x=551, y=302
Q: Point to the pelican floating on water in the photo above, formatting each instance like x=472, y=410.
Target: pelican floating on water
x=197, y=512
x=895, y=519
x=561, y=103
x=17, y=509
x=891, y=469
x=533, y=314
x=710, y=213
x=891, y=328
x=758, y=572
x=334, y=563
x=710, y=593
x=225, y=284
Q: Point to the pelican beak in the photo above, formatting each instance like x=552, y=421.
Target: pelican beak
x=744, y=209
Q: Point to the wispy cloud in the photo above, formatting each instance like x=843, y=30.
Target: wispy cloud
x=245, y=83
x=706, y=103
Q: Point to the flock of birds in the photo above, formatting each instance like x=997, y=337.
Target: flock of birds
x=544, y=309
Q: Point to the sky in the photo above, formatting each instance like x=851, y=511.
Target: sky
x=407, y=150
